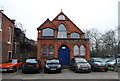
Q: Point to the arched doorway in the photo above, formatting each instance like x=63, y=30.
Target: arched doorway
x=64, y=55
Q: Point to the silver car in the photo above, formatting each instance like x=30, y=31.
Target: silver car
x=80, y=65
x=113, y=62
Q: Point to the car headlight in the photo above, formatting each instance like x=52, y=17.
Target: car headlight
x=59, y=66
x=89, y=65
x=46, y=66
x=10, y=66
x=78, y=66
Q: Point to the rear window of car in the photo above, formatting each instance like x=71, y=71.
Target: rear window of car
x=52, y=61
x=31, y=61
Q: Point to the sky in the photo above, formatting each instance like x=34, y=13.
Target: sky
x=86, y=14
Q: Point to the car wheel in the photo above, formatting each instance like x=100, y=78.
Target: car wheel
x=20, y=67
x=14, y=69
x=23, y=72
x=76, y=71
x=89, y=71
x=60, y=71
x=106, y=70
x=70, y=68
x=93, y=69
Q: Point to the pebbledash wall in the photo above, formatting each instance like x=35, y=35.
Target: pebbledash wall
x=61, y=38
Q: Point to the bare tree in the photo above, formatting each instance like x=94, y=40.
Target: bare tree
x=94, y=36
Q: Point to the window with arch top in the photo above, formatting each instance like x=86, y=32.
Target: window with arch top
x=82, y=50
x=74, y=35
x=62, y=32
x=44, y=51
x=76, y=50
x=51, y=51
x=47, y=32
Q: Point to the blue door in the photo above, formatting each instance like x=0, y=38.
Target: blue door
x=64, y=55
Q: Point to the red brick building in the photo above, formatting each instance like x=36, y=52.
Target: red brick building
x=6, y=36
x=61, y=38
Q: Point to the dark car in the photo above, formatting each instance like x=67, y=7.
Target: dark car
x=98, y=64
x=52, y=65
x=80, y=65
x=31, y=65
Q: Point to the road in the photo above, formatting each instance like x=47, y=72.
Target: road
x=66, y=74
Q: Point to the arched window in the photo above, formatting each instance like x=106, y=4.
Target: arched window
x=74, y=35
x=44, y=51
x=82, y=51
x=61, y=17
x=48, y=32
x=62, y=31
x=76, y=50
x=51, y=51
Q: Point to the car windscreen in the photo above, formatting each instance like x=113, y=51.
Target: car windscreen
x=31, y=61
x=81, y=61
x=52, y=61
x=12, y=61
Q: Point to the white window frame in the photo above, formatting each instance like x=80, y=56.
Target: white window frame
x=45, y=35
x=60, y=32
x=76, y=48
x=74, y=33
x=61, y=17
x=82, y=50
x=9, y=35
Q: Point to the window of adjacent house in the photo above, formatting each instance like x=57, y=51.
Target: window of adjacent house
x=44, y=51
x=61, y=17
x=74, y=35
x=48, y=32
x=62, y=33
x=76, y=50
x=9, y=55
x=9, y=34
x=82, y=51
x=51, y=51
x=0, y=24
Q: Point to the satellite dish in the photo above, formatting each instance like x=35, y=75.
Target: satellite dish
x=19, y=25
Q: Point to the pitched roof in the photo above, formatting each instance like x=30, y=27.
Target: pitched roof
x=47, y=23
x=67, y=20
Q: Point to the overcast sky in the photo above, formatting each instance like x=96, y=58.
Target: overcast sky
x=86, y=14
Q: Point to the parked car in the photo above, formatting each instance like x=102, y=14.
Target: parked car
x=52, y=65
x=31, y=65
x=107, y=59
x=80, y=65
x=112, y=63
x=98, y=64
x=11, y=65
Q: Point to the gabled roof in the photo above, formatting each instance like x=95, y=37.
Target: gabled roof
x=67, y=20
x=47, y=23
x=61, y=13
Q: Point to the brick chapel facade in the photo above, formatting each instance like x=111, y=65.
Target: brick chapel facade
x=61, y=38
